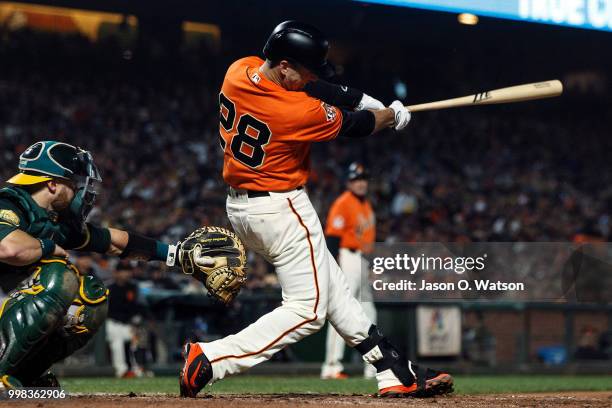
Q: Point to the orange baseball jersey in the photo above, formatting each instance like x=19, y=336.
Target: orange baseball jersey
x=353, y=221
x=266, y=131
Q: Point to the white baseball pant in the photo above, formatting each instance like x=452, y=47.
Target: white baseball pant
x=284, y=228
x=117, y=335
x=352, y=264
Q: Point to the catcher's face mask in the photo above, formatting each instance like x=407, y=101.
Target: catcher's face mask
x=85, y=178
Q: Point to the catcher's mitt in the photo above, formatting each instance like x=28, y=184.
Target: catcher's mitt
x=216, y=257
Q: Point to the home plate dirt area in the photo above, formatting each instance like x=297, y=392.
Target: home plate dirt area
x=593, y=399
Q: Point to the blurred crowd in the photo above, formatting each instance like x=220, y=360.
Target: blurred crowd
x=488, y=174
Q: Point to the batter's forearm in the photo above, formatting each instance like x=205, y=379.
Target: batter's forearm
x=336, y=95
x=365, y=123
x=383, y=118
x=356, y=124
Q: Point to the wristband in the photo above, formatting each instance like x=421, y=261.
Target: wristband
x=171, y=253
x=165, y=252
x=47, y=247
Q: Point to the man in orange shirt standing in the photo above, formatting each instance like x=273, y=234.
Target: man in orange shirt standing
x=267, y=124
x=350, y=233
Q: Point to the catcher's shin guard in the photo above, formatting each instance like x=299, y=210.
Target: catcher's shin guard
x=196, y=372
x=34, y=310
x=84, y=318
x=396, y=375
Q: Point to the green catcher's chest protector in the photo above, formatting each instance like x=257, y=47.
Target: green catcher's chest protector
x=40, y=224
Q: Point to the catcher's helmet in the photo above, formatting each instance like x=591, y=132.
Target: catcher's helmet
x=49, y=159
x=357, y=171
x=301, y=43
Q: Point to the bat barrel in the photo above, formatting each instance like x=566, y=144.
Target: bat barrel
x=518, y=93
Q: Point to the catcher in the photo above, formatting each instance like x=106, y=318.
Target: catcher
x=52, y=309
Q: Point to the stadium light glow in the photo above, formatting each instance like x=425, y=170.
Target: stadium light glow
x=467, y=18
x=60, y=19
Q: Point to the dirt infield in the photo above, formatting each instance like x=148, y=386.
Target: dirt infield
x=562, y=399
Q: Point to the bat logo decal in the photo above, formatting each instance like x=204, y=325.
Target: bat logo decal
x=481, y=96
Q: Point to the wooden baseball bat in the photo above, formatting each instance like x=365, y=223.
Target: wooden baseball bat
x=518, y=93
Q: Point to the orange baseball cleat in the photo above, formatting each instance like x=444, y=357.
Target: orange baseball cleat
x=196, y=372
x=335, y=376
x=427, y=383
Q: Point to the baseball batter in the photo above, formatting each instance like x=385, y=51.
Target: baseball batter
x=267, y=124
x=350, y=233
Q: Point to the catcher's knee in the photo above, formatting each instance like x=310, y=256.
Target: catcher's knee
x=33, y=310
x=89, y=308
x=53, y=279
x=51, y=287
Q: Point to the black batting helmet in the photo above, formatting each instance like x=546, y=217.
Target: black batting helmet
x=357, y=171
x=301, y=43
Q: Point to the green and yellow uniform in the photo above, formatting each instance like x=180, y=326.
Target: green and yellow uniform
x=51, y=309
x=19, y=211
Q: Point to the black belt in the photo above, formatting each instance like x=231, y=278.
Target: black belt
x=255, y=194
